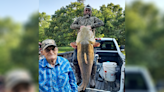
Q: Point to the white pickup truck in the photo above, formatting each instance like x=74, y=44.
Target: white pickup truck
x=138, y=79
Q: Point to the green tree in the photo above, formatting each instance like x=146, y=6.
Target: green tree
x=10, y=33
x=112, y=15
x=26, y=54
x=144, y=37
x=114, y=20
x=59, y=28
x=44, y=21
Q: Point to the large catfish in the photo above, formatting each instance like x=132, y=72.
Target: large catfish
x=85, y=54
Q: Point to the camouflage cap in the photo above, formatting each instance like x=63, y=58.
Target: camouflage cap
x=88, y=6
x=48, y=42
x=15, y=77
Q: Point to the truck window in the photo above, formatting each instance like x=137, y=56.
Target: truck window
x=106, y=45
x=135, y=81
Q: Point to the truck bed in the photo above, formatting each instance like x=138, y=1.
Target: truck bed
x=101, y=85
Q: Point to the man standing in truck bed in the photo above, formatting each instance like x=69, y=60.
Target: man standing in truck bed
x=93, y=22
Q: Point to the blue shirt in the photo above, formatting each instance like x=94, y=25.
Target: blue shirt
x=59, y=78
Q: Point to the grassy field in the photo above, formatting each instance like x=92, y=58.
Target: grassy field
x=65, y=49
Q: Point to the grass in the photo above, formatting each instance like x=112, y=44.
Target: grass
x=61, y=51
x=65, y=49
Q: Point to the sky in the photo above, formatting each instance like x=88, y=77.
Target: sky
x=50, y=6
x=20, y=10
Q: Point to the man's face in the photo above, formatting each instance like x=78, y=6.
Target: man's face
x=87, y=12
x=50, y=53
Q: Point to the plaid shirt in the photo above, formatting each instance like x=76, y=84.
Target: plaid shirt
x=59, y=78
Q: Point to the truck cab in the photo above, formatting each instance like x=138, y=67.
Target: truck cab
x=138, y=79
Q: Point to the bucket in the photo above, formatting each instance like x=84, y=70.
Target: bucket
x=109, y=69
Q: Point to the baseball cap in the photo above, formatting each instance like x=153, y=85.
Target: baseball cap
x=17, y=76
x=48, y=42
x=88, y=6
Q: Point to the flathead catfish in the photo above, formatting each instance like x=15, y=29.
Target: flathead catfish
x=85, y=54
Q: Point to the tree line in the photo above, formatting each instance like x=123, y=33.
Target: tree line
x=57, y=26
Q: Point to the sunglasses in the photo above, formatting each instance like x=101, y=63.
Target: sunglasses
x=49, y=49
x=88, y=10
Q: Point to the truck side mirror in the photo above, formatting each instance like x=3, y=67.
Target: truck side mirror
x=122, y=47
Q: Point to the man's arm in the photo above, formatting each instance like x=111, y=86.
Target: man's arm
x=75, y=24
x=72, y=78
x=72, y=81
x=97, y=23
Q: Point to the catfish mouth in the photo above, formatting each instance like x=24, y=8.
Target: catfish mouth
x=85, y=36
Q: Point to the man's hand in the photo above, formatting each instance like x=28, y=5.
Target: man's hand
x=73, y=45
x=81, y=27
x=90, y=28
